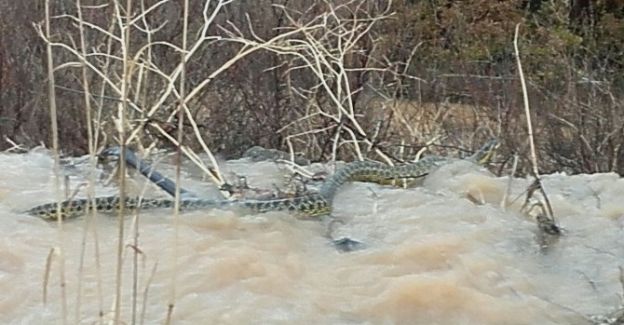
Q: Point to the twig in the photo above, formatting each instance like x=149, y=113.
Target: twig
x=14, y=146
x=146, y=291
x=507, y=194
x=46, y=275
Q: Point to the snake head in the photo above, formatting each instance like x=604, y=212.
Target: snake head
x=486, y=152
x=112, y=151
x=109, y=154
x=115, y=152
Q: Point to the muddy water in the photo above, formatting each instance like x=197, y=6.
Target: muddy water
x=433, y=256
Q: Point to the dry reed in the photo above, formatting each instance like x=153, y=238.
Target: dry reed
x=55, y=154
x=546, y=221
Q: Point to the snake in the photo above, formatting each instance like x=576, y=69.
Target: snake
x=312, y=204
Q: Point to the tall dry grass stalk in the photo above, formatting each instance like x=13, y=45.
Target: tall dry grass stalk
x=178, y=179
x=55, y=154
x=527, y=111
x=140, y=96
x=106, y=68
x=91, y=217
x=124, y=27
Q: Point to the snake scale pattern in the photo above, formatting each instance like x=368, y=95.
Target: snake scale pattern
x=309, y=205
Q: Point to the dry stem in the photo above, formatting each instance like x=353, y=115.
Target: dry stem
x=55, y=153
x=527, y=111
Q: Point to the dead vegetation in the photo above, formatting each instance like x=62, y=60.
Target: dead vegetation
x=416, y=71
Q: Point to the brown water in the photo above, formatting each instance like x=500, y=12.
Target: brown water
x=432, y=257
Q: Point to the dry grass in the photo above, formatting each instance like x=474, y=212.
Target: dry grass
x=57, y=183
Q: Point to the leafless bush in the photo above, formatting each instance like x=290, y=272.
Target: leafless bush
x=424, y=71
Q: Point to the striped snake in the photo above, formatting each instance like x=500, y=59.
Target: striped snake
x=309, y=205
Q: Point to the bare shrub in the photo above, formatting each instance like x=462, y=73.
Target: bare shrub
x=426, y=58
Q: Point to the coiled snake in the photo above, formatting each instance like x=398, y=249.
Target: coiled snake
x=309, y=205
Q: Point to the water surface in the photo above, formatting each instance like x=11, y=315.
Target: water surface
x=444, y=252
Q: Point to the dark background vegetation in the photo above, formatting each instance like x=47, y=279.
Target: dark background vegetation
x=462, y=51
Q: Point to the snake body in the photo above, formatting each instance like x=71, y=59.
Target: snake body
x=376, y=172
x=309, y=205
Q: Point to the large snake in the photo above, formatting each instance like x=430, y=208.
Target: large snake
x=309, y=205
